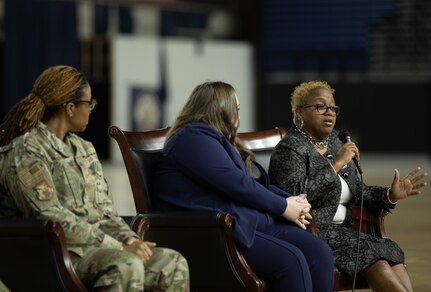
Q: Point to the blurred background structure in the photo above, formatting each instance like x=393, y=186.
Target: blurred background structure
x=143, y=58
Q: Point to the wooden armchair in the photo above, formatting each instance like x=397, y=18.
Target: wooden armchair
x=373, y=220
x=34, y=257
x=194, y=234
x=204, y=238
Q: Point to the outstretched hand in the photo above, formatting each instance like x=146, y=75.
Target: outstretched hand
x=409, y=186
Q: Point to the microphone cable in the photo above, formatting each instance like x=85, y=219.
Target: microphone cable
x=344, y=137
x=359, y=228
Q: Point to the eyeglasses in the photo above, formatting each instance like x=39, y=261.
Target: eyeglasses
x=321, y=108
x=91, y=103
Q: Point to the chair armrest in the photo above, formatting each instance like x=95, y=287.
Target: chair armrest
x=312, y=228
x=375, y=223
x=35, y=258
x=376, y=220
x=189, y=219
x=202, y=237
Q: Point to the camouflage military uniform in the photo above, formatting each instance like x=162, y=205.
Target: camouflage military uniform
x=3, y=288
x=45, y=177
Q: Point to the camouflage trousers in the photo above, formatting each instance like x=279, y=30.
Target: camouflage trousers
x=106, y=269
x=3, y=288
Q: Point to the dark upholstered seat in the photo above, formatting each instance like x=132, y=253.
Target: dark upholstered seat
x=205, y=238
x=34, y=257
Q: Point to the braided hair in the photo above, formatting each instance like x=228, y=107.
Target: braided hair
x=55, y=87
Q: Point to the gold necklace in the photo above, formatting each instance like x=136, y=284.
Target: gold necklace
x=316, y=144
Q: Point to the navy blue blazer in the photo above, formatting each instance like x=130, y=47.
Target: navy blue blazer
x=199, y=169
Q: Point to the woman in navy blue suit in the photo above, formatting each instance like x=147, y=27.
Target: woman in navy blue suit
x=205, y=167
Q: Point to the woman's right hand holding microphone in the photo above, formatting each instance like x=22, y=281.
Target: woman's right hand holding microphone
x=346, y=153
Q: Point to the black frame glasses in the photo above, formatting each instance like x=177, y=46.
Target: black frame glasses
x=321, y=108
x=91, y=103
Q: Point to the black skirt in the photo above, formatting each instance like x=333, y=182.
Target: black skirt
x=343, y=242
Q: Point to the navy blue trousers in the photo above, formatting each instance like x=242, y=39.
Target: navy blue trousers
x=291, y=259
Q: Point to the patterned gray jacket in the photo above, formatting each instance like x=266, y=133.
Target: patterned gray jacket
x=297, y=167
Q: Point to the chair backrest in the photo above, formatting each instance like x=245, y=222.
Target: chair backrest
x=141, y=150
x=262, y=143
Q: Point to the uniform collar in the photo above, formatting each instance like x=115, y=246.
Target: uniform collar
x=64, y=147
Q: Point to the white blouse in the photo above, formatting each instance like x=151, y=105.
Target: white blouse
x=345, y=197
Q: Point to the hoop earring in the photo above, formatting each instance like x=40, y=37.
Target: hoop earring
x=301, y=124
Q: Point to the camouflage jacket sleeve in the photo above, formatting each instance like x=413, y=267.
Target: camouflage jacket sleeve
x=36, y=196
x=112, y=223
x=41, y=190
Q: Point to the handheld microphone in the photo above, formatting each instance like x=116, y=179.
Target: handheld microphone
x=344, y=137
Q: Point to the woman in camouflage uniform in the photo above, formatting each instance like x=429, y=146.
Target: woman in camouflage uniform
x=49, y=172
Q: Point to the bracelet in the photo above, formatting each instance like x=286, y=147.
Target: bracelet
x=389, y=200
